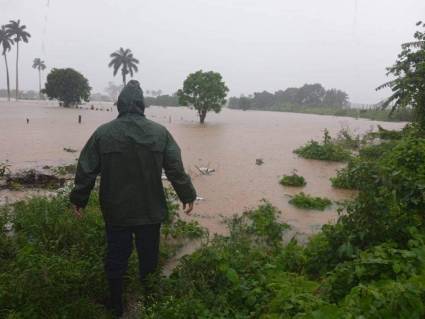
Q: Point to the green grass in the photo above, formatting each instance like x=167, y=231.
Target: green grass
x=293, y=180
x=375, y=114
x=52, y=263
x=306, y=201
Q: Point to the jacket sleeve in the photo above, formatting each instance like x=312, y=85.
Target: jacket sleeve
x=87, y=170
x=174, y=170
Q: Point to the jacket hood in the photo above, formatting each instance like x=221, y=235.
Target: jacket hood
x=131, y=99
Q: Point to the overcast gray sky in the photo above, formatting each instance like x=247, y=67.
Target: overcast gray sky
x=255, y=44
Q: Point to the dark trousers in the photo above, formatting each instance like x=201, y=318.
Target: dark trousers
x=120, y=245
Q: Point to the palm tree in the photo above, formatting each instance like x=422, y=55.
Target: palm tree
x=6, y=44
x=40, y=66
x=124, y=59
x=15, y=29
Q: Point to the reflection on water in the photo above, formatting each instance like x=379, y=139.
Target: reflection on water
x=230, y=143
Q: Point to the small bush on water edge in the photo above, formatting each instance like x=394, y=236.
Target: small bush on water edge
x=306, y=201
x=293, y=180
x=325, y=151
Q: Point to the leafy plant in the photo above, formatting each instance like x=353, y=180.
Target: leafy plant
x=328, y=150
x=347, y=139
x=293, y=180
x=409, y=72
x=306, y=201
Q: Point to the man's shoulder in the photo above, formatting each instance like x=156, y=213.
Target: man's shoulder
x=106, y=127
x=118, y=124
x=154, y=125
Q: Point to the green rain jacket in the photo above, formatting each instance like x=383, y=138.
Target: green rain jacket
x=130, y=153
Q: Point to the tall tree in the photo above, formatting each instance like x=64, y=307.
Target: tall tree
x=16, y=30
x=408, y=87
x=39, y=65
x=6, y=43
x=205, y=91
x=68, y=86
x=125, y=60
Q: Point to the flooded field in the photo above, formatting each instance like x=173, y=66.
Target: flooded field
x=229, y=143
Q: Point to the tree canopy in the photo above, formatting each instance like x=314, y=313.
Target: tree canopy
x=68, y=86
x=19, y=34
x=408, y=87
x=125, y=60
x=38, y=64
x=204, y=91
x=6, y=43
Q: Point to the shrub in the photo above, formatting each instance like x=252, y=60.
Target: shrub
x=325, y=151
x=293, y=180
x=357, y=174
x=306, y=201
x=347, y=139
x=231, y=276
x=362, y=172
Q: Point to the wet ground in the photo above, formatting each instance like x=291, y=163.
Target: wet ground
x=230, y=142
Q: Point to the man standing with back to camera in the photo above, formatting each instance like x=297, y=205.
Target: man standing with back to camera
x=129, y=153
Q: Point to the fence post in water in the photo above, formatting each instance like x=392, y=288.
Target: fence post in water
x=79, y=119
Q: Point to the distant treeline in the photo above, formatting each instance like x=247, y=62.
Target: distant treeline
x=162, y=100
x=309, y=95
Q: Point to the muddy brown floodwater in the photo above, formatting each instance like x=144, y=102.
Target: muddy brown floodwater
x=230, y=143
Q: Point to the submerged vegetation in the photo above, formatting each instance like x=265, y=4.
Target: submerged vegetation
x=306, y=201
x=369, y=264
x=328, y=150
x=293, y=180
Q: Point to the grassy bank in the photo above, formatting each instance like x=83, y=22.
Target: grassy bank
x=375, y=114
x=51, y=263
